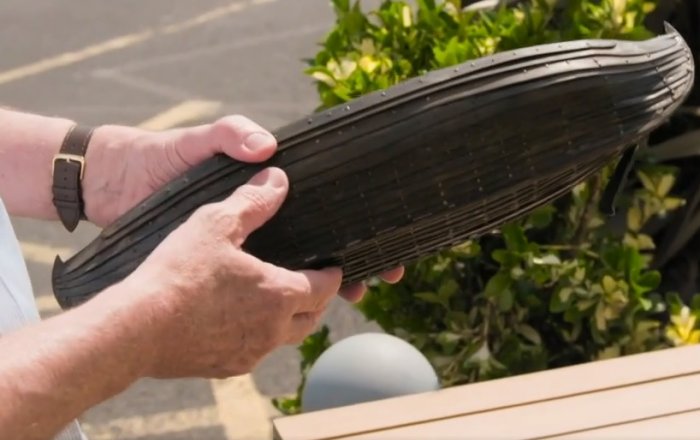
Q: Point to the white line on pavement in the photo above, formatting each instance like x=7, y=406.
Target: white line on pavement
x=182, y=113
x=40, y=253
x=243, y=411
x=214, y=49
x=154, y=425
x=118, y=43
x=142, y=84
x=69, y=58
x=47, y=305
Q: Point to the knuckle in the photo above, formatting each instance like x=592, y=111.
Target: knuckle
x=309, y=322
x=216, y=217
x=326, y=286
x=232, y=125
x=286, y=292
x=255, y=200
x=303, y=287
x=204, y=214
x=207, y=211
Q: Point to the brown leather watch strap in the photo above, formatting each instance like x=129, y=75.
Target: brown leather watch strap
x=68, y=172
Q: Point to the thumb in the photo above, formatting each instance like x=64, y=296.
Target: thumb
x=256, y=202
x=236, y=136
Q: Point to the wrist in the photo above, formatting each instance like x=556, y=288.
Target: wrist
x=90, y=353
x=105, y=171
x=68, y=171
x=125, y=318
x=26, y=158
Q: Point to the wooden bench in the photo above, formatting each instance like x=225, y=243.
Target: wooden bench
x=651, y=395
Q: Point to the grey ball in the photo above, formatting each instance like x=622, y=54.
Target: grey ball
x=366, y=367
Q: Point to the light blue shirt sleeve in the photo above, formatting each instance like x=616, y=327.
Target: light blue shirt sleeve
x=17, y=305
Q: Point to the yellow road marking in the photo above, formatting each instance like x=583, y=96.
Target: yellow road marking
x=243, y=412
x=42, y=254
x=153, y=425
x=47, y=305
x=118, y=43
x=205, y=17
x=182, y=113
x=68, y=58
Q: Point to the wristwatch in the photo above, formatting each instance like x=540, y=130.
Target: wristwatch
x=68, y=170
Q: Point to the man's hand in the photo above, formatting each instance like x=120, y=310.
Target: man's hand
x=125, y=165
x=218, y=310
x=197, y=306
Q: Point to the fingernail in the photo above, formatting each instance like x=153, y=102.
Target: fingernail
x=276, y=178
x=258, y=141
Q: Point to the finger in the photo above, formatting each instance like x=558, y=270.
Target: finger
x=235, y=136
x=353, y=293
x=302, y=325
x=306, y=290
x=253, y=204
x=393, y=276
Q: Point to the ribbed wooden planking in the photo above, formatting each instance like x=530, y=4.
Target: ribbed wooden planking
x=564, y=401
x=403, y=173
x=545, y=419
x=678, y=426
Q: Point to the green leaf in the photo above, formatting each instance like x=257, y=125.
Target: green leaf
x=671, y=203
x=468, y=249
x=503, y=256
x=549, y=259
x=665, y=184
x=675, y=303
x=314, y=346
x=634, y=219
x=633, y=263
x=448, y=341
x=431, y=297
x=497, y=285
x=457, y=319
x=505, y=300
x=342, y=5
x=448, y=288
x=609, y=283
x=601, y=323
x=515, y=238
x=644, y=242
x=646, y=181
x=287, y=406
x=560, y=300
x=406, y=16
x=649, y=280
x=542, y=217
x=530, y=334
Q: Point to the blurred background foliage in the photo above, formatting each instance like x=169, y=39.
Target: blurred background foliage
x=566, y=284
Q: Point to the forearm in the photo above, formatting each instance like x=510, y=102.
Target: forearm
x=53, y=371
x=28, y=143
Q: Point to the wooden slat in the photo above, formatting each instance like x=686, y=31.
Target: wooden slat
x=487, y=396
x=676, y=426
x=555, y=417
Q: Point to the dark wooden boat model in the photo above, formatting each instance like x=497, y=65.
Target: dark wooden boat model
x=400, y=174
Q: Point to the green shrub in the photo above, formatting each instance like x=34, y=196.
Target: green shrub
x=562, y=286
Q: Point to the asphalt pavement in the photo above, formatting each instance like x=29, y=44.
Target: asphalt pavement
x=161, y=64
